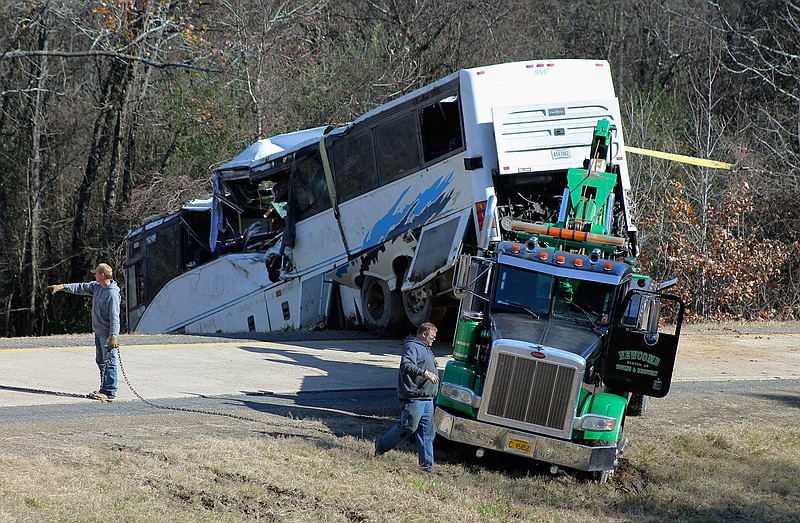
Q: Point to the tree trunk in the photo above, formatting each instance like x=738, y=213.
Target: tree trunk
x=119, y=153
x=98, y=150
x=34, y=192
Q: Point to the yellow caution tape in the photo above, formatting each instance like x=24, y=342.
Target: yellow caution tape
x=680, y=158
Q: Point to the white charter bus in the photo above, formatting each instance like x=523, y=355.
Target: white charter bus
x=361, y=224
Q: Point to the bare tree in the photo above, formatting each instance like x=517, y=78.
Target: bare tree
x=110, y=111
x=39, y=75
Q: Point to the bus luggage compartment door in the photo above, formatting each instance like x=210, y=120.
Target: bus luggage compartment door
x=438, y=246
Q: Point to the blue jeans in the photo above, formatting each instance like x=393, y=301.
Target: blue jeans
x=416, y=418
x=107, y=363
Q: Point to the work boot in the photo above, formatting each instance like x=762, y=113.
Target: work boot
x=100, y=396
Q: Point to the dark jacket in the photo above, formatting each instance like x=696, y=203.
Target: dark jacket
x=411, y=382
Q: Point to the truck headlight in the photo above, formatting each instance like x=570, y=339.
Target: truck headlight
x=595, y=423
x=460, y=394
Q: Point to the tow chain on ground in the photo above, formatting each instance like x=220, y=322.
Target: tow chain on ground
x=43, y=391
x=135, y=392
x=226, y=414
x=167, y=407
x=178, y=409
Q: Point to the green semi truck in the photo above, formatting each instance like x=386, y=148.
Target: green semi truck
x=560, y=338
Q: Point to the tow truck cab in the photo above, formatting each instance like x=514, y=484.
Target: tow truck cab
x=550, y=349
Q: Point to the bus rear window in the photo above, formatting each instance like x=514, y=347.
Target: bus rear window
x=441, y=128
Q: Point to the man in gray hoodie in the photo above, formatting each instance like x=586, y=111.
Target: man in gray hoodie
x=105, y=324
x=417, y=386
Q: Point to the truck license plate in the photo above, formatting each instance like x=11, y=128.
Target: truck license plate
x=519, y=445
x=560, y=154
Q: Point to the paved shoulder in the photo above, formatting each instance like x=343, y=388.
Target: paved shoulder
x=183, y=366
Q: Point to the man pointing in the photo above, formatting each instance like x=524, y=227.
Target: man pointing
x=105, y=324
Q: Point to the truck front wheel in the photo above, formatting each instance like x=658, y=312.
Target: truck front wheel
x=637, y=404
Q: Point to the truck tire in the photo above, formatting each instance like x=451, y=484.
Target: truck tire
x=604, y=476
x=637, y=404
x=382, y=308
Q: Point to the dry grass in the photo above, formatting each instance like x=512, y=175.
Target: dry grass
x=740, y=464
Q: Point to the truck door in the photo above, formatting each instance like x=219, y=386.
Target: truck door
x=643, y=343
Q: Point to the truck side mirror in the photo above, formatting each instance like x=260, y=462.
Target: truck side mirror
x=461, y=276
x=649, y=314
x=471, y=277
x=643, y=312
x=653, y=316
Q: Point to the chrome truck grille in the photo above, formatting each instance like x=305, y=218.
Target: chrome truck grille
x=531, y=392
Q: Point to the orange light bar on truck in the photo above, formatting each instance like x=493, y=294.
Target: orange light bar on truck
x=567, y=234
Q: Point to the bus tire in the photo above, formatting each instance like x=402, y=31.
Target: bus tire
x=419, y=306
x=382, y=308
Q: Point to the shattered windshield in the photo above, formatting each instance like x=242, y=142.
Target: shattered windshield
x=540, y=294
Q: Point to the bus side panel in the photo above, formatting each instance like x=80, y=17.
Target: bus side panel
x=318, y=244
x=248, y=315
x=203, y=291
x=283, y=305
x=378, y=262
x=399, y=208
x=314, y=301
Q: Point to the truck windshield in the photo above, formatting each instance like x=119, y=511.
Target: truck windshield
x=583, y=300
x=542, y=294
x=526, y=290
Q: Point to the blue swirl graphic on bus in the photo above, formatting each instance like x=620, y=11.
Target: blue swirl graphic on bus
x=425, y=206
x=428, y=204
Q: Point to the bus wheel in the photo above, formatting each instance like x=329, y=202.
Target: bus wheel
x=419, y=307
x=382, y=308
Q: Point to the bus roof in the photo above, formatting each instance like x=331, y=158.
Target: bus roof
x=567, y=80
x=503, y=82
x=269, y=148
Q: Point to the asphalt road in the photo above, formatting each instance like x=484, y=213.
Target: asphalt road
x=57, y=370
x=54, y=372
x=353, y=403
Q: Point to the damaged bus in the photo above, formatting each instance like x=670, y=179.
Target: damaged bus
x=362, y=224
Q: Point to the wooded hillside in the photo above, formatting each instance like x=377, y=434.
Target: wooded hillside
x=116, y=110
